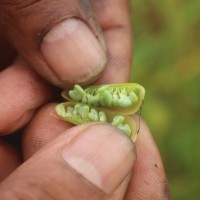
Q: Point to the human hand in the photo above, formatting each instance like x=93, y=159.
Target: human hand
x=74, y=50
x=25, y=23
x=56, y=60
x=91, y=161
x=67, y=41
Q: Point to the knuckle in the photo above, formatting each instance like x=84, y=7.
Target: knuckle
x=18, y=4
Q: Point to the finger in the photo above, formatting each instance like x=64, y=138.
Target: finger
x=62, y=41
x=43, y=128
x=149, y=180
x=86, y=162
x=9, y=160
x=22, y=91
x=7, y=53
x=114, y=18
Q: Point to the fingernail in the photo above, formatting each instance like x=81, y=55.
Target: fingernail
x=102, y=155
x=73, y=52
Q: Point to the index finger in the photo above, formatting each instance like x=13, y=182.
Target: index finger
x=149, y=180
x=114, y=19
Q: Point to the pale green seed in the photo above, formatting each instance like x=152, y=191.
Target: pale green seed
x=133, y=97
x=70, y=110
x=103, y=88
x=93, y=115
x=115, y=100
x=89, y=99
x=79, y=89
x=124, y=92
x=76, y=108
x=125, y=128
x=93, y=100
x=84, y=112
x=102, y=116
x=117, y=120
x=124, y=101
x=108, y=97
x=96, y=100
x=84, y=99
x=102, y=100
x=60, y=109
x=77, y=93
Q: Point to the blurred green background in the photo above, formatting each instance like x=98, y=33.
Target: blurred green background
x=167, y=63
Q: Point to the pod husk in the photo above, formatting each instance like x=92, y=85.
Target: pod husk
x=110, y=115
x=121, y=110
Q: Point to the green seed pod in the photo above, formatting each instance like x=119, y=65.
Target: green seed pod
x=121, y=98
x=97, y=114
x=103, y=103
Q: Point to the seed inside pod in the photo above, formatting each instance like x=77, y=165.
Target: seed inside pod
x=122, y=98
x=78, y=113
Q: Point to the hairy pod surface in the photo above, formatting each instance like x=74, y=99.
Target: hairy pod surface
x=122, y=98
x=79, y=113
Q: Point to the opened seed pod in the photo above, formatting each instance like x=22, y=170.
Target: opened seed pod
x=121, y=98
x=79, y=113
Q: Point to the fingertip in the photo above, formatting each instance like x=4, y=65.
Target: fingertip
x=65, y=47
x=93, y=159
x=43, y=128
x=99, y=151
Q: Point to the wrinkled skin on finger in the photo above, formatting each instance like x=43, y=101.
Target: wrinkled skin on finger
x=24, y=91
x=7, y=53
x=109, y=21
x=148, y=180
x=48, y=58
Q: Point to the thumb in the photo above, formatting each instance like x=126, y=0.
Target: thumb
x=87, y=162
x=60, y=39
